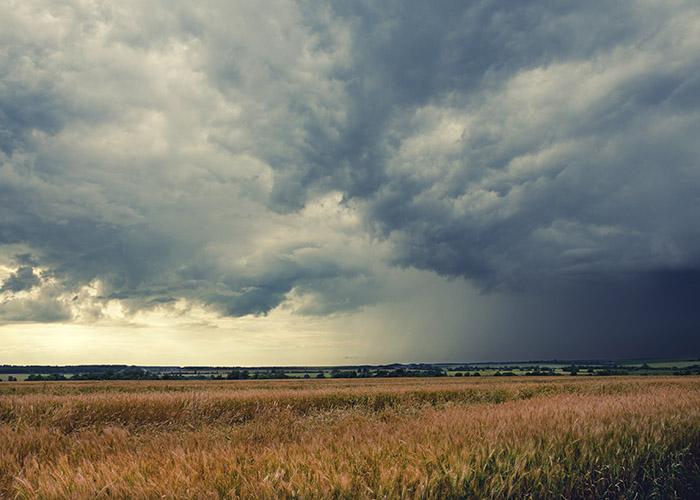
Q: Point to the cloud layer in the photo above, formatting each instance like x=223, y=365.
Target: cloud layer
x=245, y=158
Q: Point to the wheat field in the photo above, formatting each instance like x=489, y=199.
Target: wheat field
x=570, y=437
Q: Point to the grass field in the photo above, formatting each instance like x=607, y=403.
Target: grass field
x=381, y=438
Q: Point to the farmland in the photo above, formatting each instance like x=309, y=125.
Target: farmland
x=591, y=437
x=527, y=368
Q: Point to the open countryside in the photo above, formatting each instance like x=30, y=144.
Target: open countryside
x=577, y=437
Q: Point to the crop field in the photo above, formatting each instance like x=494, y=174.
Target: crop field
x=607, y=437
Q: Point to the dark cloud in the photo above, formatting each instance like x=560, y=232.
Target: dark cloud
x=648, y=314
x=22, y=279
x=567, y=157
x=245, y=158
x=39, y=310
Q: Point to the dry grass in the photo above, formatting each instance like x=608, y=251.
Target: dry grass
x=592, y=438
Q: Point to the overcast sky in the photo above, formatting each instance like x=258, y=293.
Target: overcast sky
x=348, y=181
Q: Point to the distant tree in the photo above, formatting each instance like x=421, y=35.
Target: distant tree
x=35, y=377
x=237, y=375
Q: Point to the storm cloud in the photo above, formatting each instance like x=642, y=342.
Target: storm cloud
x=247, y=157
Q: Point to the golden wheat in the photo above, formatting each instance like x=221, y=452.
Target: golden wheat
x=434, y=438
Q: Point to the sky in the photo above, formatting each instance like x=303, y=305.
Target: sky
x=344, y=182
